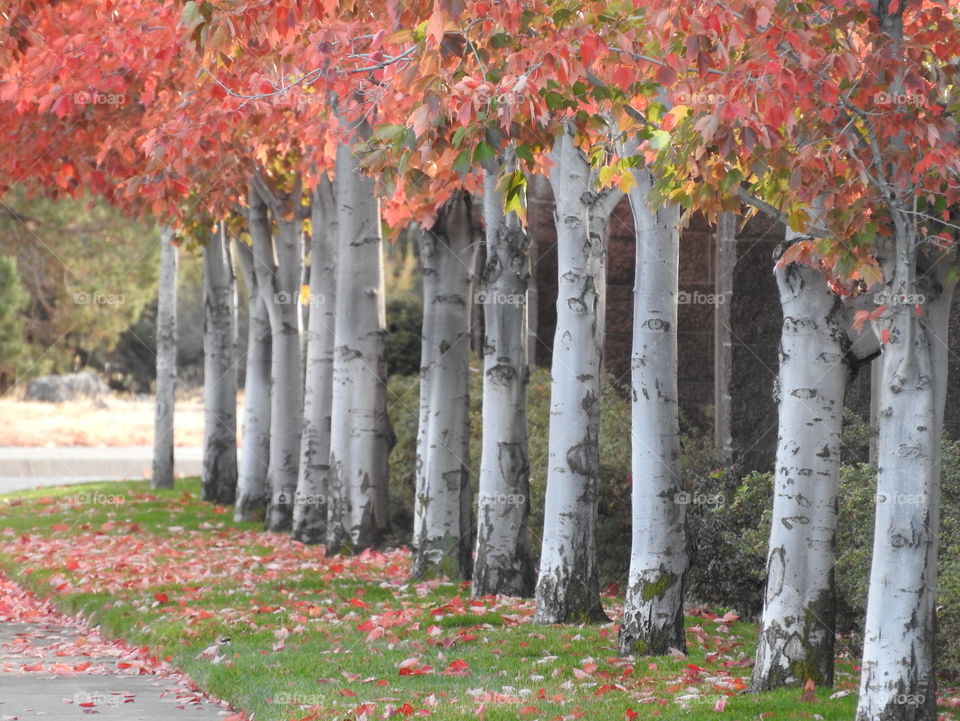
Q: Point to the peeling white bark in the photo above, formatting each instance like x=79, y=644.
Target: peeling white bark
x=653, y=608
x=567, y=587
x=443, y=503
x=252, y=488
x=277, y=266
x=503, y=563
x=219, y=476
x=310, y=508
x=797, y=631
x=360, y=436
x=898, y=680
x=166, y=364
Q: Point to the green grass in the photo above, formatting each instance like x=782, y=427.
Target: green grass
x=130, y=568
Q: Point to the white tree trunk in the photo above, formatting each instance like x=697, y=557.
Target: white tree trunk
x=653, y=608
x=898, y=678
x=443, y=504
x=797, y=631
x=166, y=385
x=252, y=489
x=360, y=435
x=219, y=477
x=310, y=508
x=568, y=587
x=277, y=265
x=504, y=562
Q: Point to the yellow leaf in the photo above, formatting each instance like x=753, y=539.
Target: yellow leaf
x=627, y=182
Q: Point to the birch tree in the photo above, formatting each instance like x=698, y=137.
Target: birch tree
x=360, y=435
x=443, y=502
x=276, y=263
x=219, y=477
x=504, y=561
x=653, y=608
x=252, y=489
x=797, y=631
x=898, y=679
x=568, y=587
x=310, y=507
x=166, y=364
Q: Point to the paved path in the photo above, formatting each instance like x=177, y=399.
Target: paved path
x=23, y=468
x=55, y=668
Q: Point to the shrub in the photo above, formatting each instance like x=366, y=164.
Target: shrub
x=404, y=321
x=13, y=299
x=613, y=522
x=730, y=567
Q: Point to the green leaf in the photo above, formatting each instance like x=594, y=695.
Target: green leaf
x=191, y=17
x=483, y=153
x=461, y=163
x=394, y=132
x=562, y=16
x=659, y=139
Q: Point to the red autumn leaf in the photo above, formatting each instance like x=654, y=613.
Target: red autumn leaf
x=528, y=710
x=347, y=692
x=161, y=597
x=458, y=667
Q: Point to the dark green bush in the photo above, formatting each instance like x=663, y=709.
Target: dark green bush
x=613, y=513
x=729, y=535
x=731, y=568
x=404, y=321
x=13, y=299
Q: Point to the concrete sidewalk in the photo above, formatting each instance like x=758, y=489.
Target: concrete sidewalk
x=22, y=468
x=36, y=680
